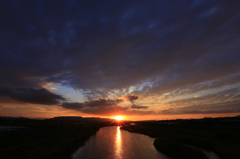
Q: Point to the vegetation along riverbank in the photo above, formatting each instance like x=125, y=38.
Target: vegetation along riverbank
x=56, y=138
x=182, y=138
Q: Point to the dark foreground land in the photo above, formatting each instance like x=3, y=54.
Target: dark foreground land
x=186, y=138
x=45, y=139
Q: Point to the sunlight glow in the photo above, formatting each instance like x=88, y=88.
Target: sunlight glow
x=118, y=118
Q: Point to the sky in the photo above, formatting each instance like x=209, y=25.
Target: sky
x=145, y=60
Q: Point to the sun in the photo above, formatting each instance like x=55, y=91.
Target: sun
x=118, y=118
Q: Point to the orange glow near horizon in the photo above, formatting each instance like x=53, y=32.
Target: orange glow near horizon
x=42, y=112
x=118, y=118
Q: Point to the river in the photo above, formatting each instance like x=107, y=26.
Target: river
x=114, y=143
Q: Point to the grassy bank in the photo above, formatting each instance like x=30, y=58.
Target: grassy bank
x=45, y=141
x=178, y=149
x=177, y=139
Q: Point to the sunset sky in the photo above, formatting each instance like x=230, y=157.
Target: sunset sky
x=157, y=59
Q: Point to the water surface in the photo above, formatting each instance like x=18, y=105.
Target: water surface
x=114, y=143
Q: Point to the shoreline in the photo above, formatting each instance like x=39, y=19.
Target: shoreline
x=190, y=141
x=58, y=142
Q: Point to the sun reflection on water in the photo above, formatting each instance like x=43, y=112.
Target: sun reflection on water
x=118, y=144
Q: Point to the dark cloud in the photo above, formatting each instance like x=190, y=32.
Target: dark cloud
x=103, y=103
x=97, y=107
x=116, y=44
x=106, y=107
x=131, y=98
x=31, y=95
x=73, y=106
x=139, y=107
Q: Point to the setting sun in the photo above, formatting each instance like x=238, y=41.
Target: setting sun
x=118, y=118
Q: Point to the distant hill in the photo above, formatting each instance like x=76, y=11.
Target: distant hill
x=77, y=119
x=67, y=118
x=55, y=120
x=13, y=118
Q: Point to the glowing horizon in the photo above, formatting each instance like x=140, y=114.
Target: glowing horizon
x=118, y=118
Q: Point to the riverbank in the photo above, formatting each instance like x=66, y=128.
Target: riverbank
x=49, y=142
x=45, y=139
x=180, y=140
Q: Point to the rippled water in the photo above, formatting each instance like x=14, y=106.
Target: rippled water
x=114, y=143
